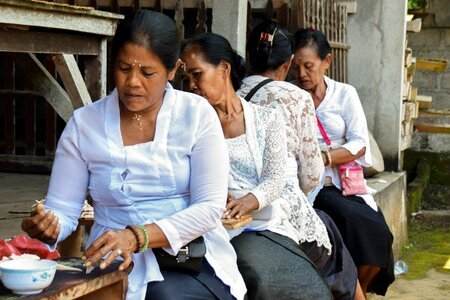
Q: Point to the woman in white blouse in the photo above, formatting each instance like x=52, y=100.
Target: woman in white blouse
x=272, y=264
x=339, y=110
x=270, y=53
x=156, y=165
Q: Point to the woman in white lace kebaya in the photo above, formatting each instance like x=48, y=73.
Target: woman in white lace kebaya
x=269, y=258
x=270, y=53
x=360, y=221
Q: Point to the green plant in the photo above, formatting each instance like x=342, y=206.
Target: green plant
x=417, y=4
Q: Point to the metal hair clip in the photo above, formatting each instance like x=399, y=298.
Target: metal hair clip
x=266, y=37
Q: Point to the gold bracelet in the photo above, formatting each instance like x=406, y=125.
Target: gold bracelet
x=328, y=158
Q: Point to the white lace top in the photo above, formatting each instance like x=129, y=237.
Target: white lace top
x=284, y=209
x=297, y=108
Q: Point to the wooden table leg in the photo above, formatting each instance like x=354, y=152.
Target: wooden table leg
x=71, y=247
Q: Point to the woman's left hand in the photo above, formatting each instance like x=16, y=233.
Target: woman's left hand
x=115, y=243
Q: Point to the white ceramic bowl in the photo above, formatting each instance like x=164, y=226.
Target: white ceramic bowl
x=27, y=276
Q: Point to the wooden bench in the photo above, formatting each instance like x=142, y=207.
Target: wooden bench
x=109, y=283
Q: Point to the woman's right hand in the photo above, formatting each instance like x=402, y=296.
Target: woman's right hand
x=42, y=226
x=236, y=208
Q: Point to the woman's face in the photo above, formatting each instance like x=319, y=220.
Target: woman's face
x=140, y=78
x=309, y=69
x=202, y=77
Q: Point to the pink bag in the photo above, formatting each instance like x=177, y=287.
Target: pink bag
x=351, y=173
x=352, y=179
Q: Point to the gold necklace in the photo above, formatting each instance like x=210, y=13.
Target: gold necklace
x=139, y=119
x=227, y=115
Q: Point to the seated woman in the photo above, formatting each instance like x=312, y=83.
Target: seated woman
x=270, y=53
x=152, y=157
x=272, y=264
x=339, y=110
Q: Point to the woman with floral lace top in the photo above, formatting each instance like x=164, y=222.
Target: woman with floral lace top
x=269, y=258
x=270, y=53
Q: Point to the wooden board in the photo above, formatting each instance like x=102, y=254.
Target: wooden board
x=433, y=65
x=414, y=92
x=424, y=101
x=406, y=90
x=410, y=110
x=414, y=25
x=48, y=42
x=408, y=57
x=405, y=142
x=435, y=113
x=236, y=223
x=432, y=128
x=73, y=80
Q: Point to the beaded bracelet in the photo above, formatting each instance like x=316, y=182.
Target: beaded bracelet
x=145, y=232
x=136, y=235
x=328, y=157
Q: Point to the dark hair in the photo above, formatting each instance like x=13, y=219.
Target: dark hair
x=216, y=48
x=152, y=30
x=312, y=38
x=264, y=54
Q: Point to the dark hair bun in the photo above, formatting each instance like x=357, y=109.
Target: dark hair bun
x=269, y=46
x=310, y=37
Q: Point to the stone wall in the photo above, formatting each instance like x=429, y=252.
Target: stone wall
x=433, y=41
x=391, y=198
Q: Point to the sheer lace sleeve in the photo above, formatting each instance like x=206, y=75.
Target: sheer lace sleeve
x=309, y=159
x=274, y=158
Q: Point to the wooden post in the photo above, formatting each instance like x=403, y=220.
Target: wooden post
x=73, y=81
x=179, y=18
x=30, y=125
x=201, y=17
x=95, y=73
x=9, y=105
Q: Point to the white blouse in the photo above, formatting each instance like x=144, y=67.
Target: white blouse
x=344, y=121
x=168, y=181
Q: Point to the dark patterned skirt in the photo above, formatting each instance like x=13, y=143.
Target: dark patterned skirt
x=274, y=267
x=337, y=269
x=364, y=232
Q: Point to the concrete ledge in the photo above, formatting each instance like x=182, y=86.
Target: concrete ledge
x=391, y=198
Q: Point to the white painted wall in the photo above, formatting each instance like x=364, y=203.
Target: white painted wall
x=230, y=20
x=376, y=35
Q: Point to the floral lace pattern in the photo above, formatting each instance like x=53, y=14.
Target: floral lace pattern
x=272, y=147
x=297, y=109
x=303, y=216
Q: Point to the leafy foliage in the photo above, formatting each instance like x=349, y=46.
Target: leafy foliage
x=416, y=4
